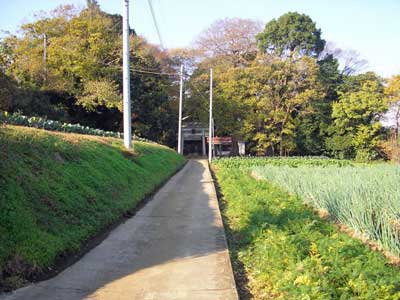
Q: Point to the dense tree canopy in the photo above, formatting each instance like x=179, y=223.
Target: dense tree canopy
x=393, y=92
x=68, y=66
x=277, y=89
x=289, y=33
x=357, y=130
x=270, y=95
x=288, y=98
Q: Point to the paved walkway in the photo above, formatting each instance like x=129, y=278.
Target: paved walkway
x=173, y=248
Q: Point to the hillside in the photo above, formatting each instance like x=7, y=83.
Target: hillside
x=58, y=190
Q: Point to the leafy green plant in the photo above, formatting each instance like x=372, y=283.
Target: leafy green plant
x=293, y=161
x=43, y=123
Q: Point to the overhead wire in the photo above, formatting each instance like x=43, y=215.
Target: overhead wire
x=154, y=73
x=149, y=72
x=200, y=94
x=155, y=23
x=193, y=87
x=161, y=14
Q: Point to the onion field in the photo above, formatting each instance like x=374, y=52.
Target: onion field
x=366, y=198
x=281, y=249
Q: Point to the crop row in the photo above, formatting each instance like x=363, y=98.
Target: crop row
x=293, y=161
x=43, y=123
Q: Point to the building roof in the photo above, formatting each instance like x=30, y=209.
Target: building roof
x=194, y=125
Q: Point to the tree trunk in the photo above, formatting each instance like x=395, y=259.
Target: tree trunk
x=280, y=145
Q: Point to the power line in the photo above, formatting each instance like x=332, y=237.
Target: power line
x=161, y=14
x=201, y=94
x=150, y=72
x=155, y=23
x=192, y=86
x=154, y=73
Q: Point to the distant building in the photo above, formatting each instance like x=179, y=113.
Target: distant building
x=194, y=138
x=195, y=141
x=222, y=146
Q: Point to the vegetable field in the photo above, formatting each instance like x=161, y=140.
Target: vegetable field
x=281, y=249
x=44, y=123
x=366, y=198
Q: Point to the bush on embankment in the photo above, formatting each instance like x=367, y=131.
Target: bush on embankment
x=58, y=190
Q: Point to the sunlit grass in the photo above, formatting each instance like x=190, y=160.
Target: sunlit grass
x=57, y=190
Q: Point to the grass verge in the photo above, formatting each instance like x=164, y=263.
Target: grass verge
x=289, y=252
x=58, y=190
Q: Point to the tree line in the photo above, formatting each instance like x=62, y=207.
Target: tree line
x=67, y=65
x=279, y=87
x=286, y=91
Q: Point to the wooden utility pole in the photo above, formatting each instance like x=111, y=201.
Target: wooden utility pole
x=180, y=148
x=210, y=131
x=126, y=78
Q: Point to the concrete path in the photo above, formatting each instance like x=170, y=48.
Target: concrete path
x=173, y=248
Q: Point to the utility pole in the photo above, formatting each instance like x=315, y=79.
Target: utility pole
x=211, y=119
x=180, y=114
x=45, y=56
x=126, y=78
x=214, y=153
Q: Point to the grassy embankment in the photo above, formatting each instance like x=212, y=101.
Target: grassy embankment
x=281, y=249
x=58, y=190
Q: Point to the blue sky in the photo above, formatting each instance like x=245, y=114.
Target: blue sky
x=371, y=27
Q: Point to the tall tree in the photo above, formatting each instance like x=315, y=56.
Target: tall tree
x=152, y=114
x=269, y=96
x=354, y=83
x=357, y=131
x=76, y=75
x=350, y=60
x=312, y=128
x=292, y=32
x=393, y=92
x=233, y=41
x=8, y=89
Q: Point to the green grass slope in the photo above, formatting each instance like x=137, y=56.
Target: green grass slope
x=58, y=190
